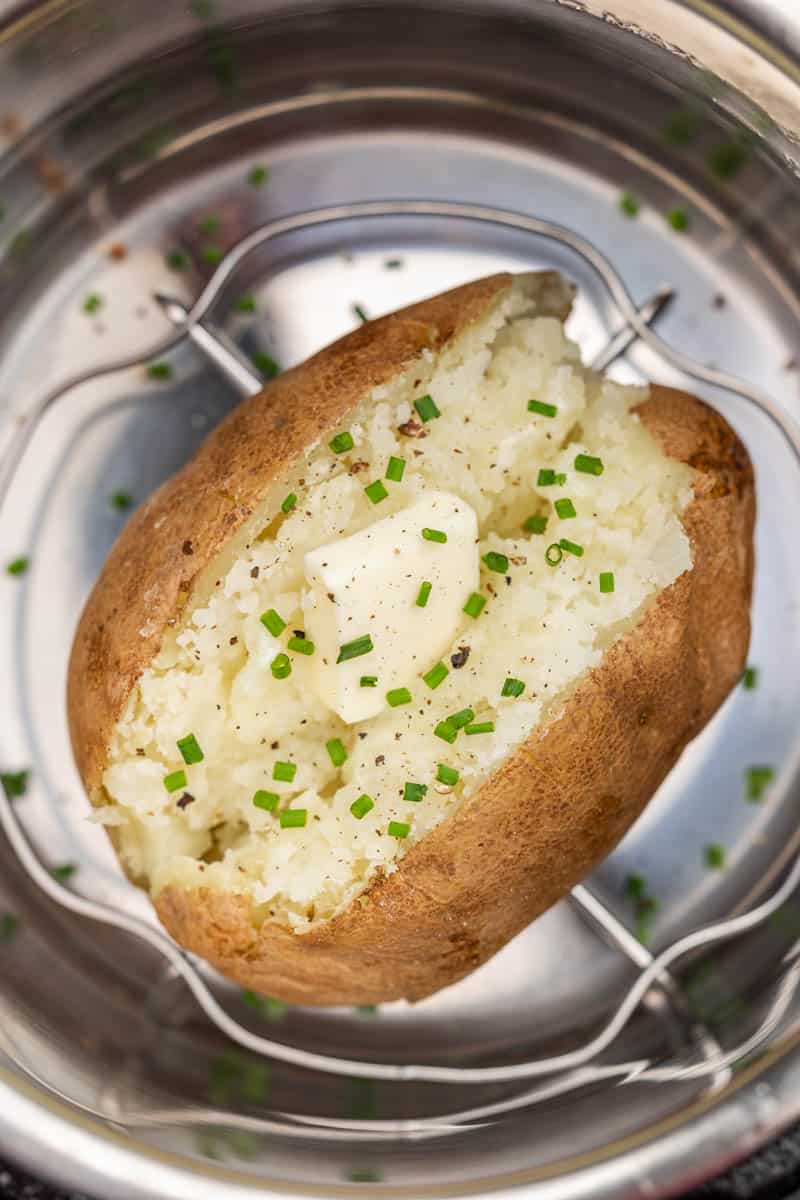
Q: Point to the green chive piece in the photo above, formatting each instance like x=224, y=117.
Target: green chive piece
x=159, y=370
x=211, y=254
x=284, y=772
x=750, y=679
x=14, y=783
x=480, y=727
x=246, y=304
x=629, y=205
x=606, y=582
x=422, y=595
x=544, y=410
x=360, y=807
x=426, y=408
x=571, y=547
x=360, y=312
x=446, y=731
x=176, y=260
x=301, y=645
x=92, y=304
x=209, y=225
x=496, y=562
x=757, y=780
x=714, y=856
x=367, y=1010
x=561, y=478
x=336, y=751
x=414, y=792
x=18, y=566
x=393, y=264
x=364, y=1174
x=342, y=442
x=588, y=464
x=9, y=927
x=399, y=829
x=395, y=469
x=190, y=749
x=565, y=509
x=281, y=666
x=678, y=218
x=257, y=176
x=475, y=605
x=512, y=687
x=267, y=800
x=448, y=775
x=435, y=676
x=265, y=364
x=728, y=158
x=376, y=491
x=546, y=477
x=635, y=887
x=273, y=621
x=681, y=127
x=460, y=719
x=355, y=649
x=434, y=535
x=368, y=681
x=254, y=1086
x=289, y=503
x=553, y=554
x=64, y=872
x=293, y=818
x=175, y=781
x=398, y=696
x=121, y=501
x=535, y=524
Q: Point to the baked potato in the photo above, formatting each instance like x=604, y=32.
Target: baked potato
x=406, y=648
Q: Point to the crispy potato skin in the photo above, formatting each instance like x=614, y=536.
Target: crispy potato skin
x=554, y=808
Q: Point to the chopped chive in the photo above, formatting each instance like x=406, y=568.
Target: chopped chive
x=176, y=260
x=9, y=927
x=92, y=304
x=209, y=225
x=293, y=818
x=629, y=205
x=336, y=751
x=257, y=176
x=588, y=464
x=393, y=264
x=606, y=582
x=359, y=311
x=434, y=535
x=211, y=254
x=367, y=1010
x=728, y=158
x=267, y=800
x=750, y=679
x=448, y=775
x=512, y=687
x=553, y=554
x=714, y=856
x=376, y=491
x=426, y=408
x=460, y=719
x=399, y=829
x=561, y=478
x=64, y=872
x=355, y=649
x=678, y=218
x=14, y=783
x=546, y=477
x=435, y=676
x=635, y=887
x=289, y=502
x=281, y=666
x=496, y=562
x=681, y=127
x=414, y=792
x=360, y=807
x=757, y=780
x=190, y=749
x=301, y=645
x=175, y=781
x=368, y=681
x=265, y=364
x=342, y=442
x=475, y=605
x=273, y=621
x=565, y=508
x=396, y=469
x=159, y=370
x=398, y=696
x=571, y=547
x=246, y=304
x=535, y=524
x=447, y=731
x=284, y=772
x=254, y=1086
x=544, y=410
x=121, y=501
x=424, y=592
x=480, y=727
x=18, y=566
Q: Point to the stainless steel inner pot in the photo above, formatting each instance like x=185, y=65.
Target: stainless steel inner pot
x=124, y=127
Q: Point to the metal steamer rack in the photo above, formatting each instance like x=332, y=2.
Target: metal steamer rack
x=702, y=1058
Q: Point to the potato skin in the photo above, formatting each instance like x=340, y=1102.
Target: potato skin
x=556, y=807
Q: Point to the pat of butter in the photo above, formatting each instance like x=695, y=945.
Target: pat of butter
x=368, y=584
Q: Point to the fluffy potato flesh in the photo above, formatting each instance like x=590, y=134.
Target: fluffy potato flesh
x=543, y=625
